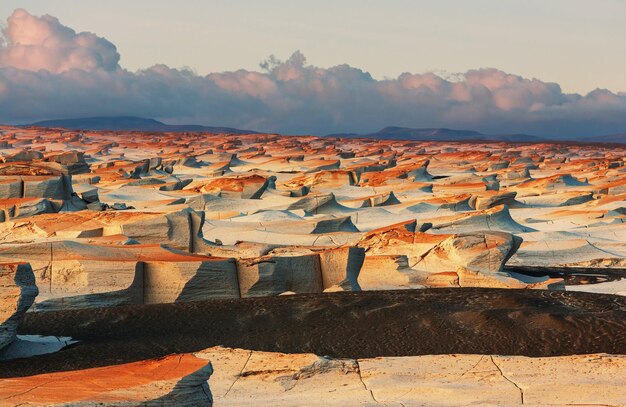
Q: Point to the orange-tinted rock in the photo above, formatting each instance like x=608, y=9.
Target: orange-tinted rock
x=172, y=380
x=121, y=188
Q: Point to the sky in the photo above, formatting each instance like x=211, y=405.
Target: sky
x=544, y=67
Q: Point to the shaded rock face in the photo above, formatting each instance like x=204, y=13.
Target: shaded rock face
x=74, y=161
x=189, y=281
x=311, y=272
x=341, y=268
x=180, y=229
x=32, y=186
x=27, y=191
x=77, y=275
x=17, y=293
x=274, y=275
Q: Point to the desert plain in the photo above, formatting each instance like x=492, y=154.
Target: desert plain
x=145, y=268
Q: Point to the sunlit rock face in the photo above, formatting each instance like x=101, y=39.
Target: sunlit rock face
x=179, y=380
x=235, y=377
x=113, y=218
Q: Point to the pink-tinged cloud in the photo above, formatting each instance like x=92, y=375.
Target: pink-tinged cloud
x=35, y=43
x=49, y=71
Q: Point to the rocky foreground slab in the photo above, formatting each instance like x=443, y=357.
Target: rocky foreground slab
x=234, y=377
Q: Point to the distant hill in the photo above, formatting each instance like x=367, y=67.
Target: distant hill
x=131, y=123
x=613, y=138
x=434, y=134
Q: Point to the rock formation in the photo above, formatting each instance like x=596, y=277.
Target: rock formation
x=107, y=219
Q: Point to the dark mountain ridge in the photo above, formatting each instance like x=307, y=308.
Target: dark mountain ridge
x=132, y=123
x=434, y=134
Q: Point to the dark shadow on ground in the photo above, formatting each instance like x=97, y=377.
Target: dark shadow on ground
x=344, y=324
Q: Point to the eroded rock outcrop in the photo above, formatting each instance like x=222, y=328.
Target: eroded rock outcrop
x=304, y=196
x=76, y=275
x=464, y=260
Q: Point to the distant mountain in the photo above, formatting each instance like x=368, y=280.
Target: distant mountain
x=613, y=138
x=436, y=134
x=131, y=123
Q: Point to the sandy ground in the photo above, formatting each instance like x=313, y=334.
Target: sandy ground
x=355, y=325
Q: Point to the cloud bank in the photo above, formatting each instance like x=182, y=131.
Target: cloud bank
x=47, y=71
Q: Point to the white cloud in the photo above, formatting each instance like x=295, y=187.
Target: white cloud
x=49, y=71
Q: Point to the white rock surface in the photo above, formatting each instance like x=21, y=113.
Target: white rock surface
x=242, y=377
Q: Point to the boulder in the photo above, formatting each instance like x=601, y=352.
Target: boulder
x=486, y=200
